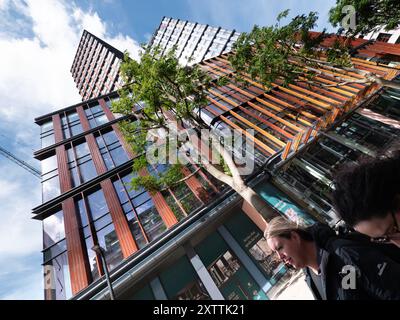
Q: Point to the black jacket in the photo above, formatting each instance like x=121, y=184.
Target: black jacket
x=376, y=266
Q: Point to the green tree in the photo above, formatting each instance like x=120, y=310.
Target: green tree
x=283, y=53
x=166, y=100
x=371, y=15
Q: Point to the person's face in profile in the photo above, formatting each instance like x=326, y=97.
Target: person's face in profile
x=289, y=251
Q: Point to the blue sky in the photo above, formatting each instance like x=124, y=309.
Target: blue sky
x=38, y=40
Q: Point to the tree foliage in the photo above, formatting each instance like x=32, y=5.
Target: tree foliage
x=370, y=15
x=158, y=84
x=264, y=52
x=284, y=53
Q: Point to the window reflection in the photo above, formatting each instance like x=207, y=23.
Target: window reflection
x=80, y=163
x=140, y=211
x=95, y=116
x=53, y=229
x=57, y=278
x=47, y=134
x=70, y=123
x=111, y=149
x=95, y=218
x=50, y=180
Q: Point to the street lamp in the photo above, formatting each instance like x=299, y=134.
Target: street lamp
x=100, y=251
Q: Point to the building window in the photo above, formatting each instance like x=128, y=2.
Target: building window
x=71, y=125
x=57, y=284
x=80, y=163
x=384, y=37
x=50, y=180
x=98, y=228
x=53, y=229
x=111, y=150
x=96, y=116
x=144, y=220
x=55, y=259
x=47, y=134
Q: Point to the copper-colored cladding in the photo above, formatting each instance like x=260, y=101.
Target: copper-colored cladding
x=58, y=135
x=291, y=114
x=371, y=49
x=62, y=159
x=128, y=245
x=77, y=261
x=194, y=184
x=78, y=264
x=63, y=170
x=82, y=118
x=126, y=240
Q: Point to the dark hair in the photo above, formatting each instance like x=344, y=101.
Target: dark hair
x=369, y=189
x=303, y=234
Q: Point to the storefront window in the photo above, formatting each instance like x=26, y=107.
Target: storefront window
x=228, y=273
x=187, y=286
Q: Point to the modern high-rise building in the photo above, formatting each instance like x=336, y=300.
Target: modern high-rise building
x=87, y=201
x=199, y=239
x=95, y=68
x=195, y=42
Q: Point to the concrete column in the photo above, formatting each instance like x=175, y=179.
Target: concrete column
x=158, y=290
x=203, y=274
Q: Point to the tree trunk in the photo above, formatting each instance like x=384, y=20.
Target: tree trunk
x=387, y=83
x=258, y=203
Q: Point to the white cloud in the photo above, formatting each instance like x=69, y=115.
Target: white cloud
x=24, y=282
x=19, y=192
x=34, y=72
x=38, y=41
x=4, y=4
x=90, y=21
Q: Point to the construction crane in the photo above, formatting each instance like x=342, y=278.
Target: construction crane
x=20, y=162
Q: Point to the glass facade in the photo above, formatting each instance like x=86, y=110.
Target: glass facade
x=251, y=240
x=55, y=258
x=371, y=134
x=98, y=229
x=111, y=149
x=309, y=176
x=70, y=123
x=47, y=134
x=195, y=42
x=80, y=163
x=226, y=270
x=50, y=179
x=388, y=104
x=95, y=115
x=144, y=220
